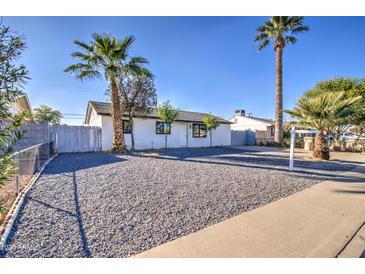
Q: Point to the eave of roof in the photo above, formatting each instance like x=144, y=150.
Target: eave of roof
x=264, y=120
x=103, y=108
x=23, y=100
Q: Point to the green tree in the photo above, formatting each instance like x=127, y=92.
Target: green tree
x=211, y=122
x=45, y=113
x=352, y=88
x=167, y=113
x=138, y=98
x=281, y=30
x=322, y=112
x=107, y=56
x=12, y=78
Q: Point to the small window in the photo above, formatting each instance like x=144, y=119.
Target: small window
x=199, y=131
x=272, y=131
x=163, y=128
x=127, y=127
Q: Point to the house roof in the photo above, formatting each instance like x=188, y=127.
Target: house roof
x=264, y=120
x=103, y=108
x=23, y=103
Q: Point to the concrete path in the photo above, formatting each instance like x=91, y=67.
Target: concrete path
x=317, y=222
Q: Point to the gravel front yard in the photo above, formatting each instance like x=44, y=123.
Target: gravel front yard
x=102, y=205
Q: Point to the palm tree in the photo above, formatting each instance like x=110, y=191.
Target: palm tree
x=322, y=112
x=107, y=56
x=281, y=30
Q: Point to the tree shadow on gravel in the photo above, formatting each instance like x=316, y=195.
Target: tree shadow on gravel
x=70, y=162
x=303, y=169
x=77, y=214
x=83, y=238
x=184, y=153
x=264, y=158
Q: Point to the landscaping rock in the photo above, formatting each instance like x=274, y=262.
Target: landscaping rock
x=105, y=205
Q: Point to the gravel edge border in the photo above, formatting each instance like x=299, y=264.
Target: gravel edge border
x=14, y=210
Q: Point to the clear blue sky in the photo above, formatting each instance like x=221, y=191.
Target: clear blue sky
x=207, y=64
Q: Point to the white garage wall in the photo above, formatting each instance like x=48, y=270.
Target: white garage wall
x=145, y=136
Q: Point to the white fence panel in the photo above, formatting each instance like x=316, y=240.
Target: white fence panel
x=76, y=138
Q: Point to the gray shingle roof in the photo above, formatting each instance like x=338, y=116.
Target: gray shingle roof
x=104, y=108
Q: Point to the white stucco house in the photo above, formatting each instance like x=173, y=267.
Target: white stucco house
x=149, y=132
x=263, y=129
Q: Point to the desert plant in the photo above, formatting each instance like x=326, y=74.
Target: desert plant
x=351, y=87
x=322, y=112
x=281, y=30
x=107, y=56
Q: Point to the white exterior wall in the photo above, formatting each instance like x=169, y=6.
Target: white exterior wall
x=145, y=136
x=244, y=123
x=95, y=119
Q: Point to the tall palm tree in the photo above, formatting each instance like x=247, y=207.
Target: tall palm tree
x=281, y=30
x=323, y=112
x=107, y=56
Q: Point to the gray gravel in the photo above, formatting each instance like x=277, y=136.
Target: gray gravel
x=102, y=205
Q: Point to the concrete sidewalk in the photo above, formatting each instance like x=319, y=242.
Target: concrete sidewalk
x=317, y=222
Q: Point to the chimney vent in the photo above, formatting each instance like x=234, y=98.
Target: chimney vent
x=240, y=112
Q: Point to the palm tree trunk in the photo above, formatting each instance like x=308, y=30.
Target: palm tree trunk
x=132, y=134
x=279, y=95
x=118, y=136
x=321, y=150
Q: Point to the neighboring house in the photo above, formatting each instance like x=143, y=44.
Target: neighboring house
x=21, y=103
x=34, y=133
x=251, y=130
x=187, y=131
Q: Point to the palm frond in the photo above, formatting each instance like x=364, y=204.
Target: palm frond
x=139, y=60
x=300, y=29
x=83, y=45
x=291, y=39
x=88, y=74
x=278, y=27
x=81, y=55
x=263, y=45
x=261, y=36
x=77, y=67
x=127, y=42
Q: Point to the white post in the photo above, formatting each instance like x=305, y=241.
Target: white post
x=292, y=145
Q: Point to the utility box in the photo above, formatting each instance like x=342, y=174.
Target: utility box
x=308, y=143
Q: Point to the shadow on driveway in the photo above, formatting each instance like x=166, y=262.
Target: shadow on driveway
x=81, y=161
x=259, y=160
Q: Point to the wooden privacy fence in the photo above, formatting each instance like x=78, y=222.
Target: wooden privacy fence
x=76, y=138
